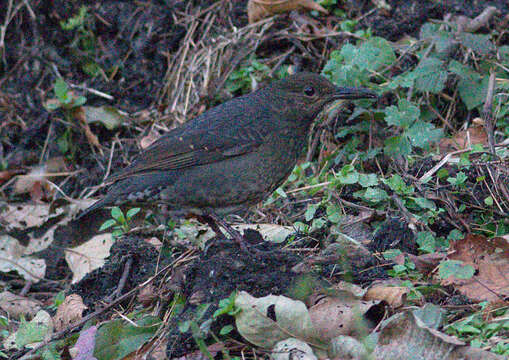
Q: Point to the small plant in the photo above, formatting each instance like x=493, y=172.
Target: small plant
x=119, y=221
x=247, y=77
x=84, y=42
x=67, y=101
x=64, y=98
x=227, y=307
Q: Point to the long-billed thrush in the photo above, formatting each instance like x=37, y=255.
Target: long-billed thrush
x=233, y=155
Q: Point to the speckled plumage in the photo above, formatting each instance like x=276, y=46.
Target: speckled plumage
x=233, y=155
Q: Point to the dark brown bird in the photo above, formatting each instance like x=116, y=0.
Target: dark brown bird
x=232, y=156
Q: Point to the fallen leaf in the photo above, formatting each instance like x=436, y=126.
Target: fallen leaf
x=267, y=320
x=109, y=116
x=88, y=256
x=395, y=296
x=405, y=333
x=490, y=257
x=347, y=347
x=260, y=9
x=84, y=347
x=12, y=259
x=424, y=263
x=17, y=306
x=292, y=349
x=339, y=315
x=6, y=175
x=35, y=181
x=30, y=334
x=69, y=312
x=463, y=139
x=23, y=216
x=149, y=139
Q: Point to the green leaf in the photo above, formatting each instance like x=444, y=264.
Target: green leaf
x=61, y=90
x=472, y=87
x=480, y=44
x=426, y=241
x=430, y=75
x=116, y=339
x=348, y=175
x=30, y=332
x=488, y=201
x=118, y=215
x=310, y=211
x=398, y=145
x=422, y=133
x=372, y=194
x=396, y=184
x=455, y=268
x=425, y=203
x=403, y=115
x=399, y=269
x=459, y=179
x=107, y=224
x=80, y=100
x=391, y=254
x=375, y=54
x=442, y=173
x=132, y=212
x=334, y=213
x=454, y=235
x=225, y=330
x=367, y=180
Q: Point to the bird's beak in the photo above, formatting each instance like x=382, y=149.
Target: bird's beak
x=351, y=93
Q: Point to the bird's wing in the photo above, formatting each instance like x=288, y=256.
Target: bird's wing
x=183, y=147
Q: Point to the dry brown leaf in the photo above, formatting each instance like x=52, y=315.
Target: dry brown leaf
x=260, y=9
x=12, y=259
x=342, y=315
x=88, y=256
x=69, y=312
x=35, y=181
x=395, y=296
x=490, y=257
x=6, y=175
x=149, y=139
x=16, y=305
x=424, y=263
x=463, y=139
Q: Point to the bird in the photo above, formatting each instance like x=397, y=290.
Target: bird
x=232, y=156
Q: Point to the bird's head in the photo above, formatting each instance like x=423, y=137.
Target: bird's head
x=303, y=95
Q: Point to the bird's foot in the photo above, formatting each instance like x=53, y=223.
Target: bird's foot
x=237, y=237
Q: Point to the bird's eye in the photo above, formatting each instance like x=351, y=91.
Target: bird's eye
x=309, y=91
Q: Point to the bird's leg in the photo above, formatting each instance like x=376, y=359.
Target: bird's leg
x=238, y=238
x=215, y=221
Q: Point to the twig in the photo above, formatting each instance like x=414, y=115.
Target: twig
x=487, y=113
x=446, y=158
